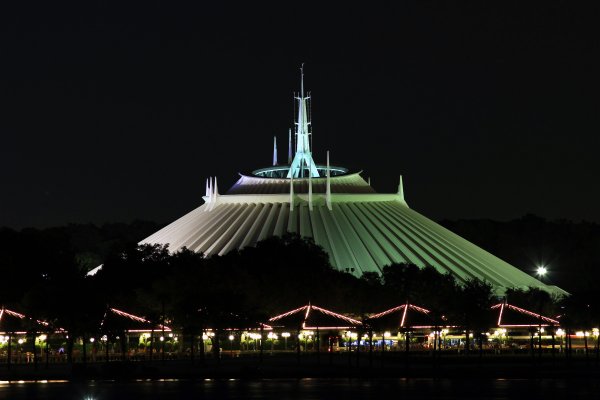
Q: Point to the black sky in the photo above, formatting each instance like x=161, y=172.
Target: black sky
x=117, y=111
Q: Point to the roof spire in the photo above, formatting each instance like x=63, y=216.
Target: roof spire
x=274, y=150
x=207, y=188
x=214, y=194
x=290, y=147
x=303, y=157
x=328, y=190
x=310, y=194
x=401, y=189
x=292, y=193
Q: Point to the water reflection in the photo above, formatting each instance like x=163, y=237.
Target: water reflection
x=347, y=389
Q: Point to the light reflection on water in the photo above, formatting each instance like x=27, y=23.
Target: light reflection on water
x=316, y=388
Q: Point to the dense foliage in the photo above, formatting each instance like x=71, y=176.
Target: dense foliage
x=46, y=272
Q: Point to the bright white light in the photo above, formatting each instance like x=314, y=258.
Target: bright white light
x=541, y=271
x=231, y=337
x=92, y=340
x=285, y=334
x=162, y=338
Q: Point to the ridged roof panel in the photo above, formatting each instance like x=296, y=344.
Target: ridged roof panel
x=360, y=236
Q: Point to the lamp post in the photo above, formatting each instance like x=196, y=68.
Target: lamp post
x=541, y=272
x=285, y=335
x=231, y=337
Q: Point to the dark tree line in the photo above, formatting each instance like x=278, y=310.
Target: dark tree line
x=46, y=278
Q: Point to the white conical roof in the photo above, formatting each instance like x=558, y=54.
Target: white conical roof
x=363, y=232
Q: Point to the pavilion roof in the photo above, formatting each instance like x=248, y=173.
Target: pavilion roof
x=14, y=322
x=508, y=316
x=403, y=316
x=311, y=317
x=115, y=319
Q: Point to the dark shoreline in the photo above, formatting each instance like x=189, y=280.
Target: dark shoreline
x=311, y=367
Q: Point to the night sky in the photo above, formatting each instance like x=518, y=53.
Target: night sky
x=113, y=112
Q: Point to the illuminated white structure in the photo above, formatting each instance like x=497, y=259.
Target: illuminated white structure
x=303, y=164
x=360, y=229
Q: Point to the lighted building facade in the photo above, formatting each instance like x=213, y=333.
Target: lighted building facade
x=360, y=229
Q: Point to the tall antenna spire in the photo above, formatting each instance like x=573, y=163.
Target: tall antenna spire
x=303, y=157
x=302, y=80
x=274, y=150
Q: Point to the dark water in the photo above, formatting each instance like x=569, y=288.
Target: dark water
x=306, y=389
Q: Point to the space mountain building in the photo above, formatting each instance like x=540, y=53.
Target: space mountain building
x=360, y=229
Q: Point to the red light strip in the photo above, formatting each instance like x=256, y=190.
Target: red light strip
x=127, y=315
x=522, y=310
x=403, y=306
x=287, y=313
x=500, y=316
x=420, y=309
x=22, y=316
x=314, y=328
x=136, y=318
x=331, y=313
x=404, y=316
x=14, y=314
x=391, y=310
x=308, y=309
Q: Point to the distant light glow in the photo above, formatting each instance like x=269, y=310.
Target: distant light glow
x=541, y=271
